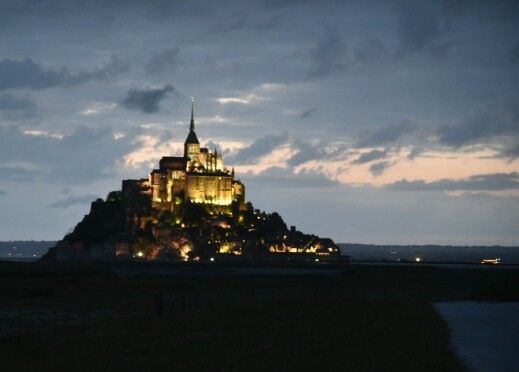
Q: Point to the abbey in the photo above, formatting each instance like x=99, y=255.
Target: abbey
x=190, y=208
x=198, y=176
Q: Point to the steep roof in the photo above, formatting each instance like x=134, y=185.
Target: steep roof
x=172, y=162
x=191, y=137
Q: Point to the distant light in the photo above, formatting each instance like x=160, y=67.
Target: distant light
x=316, y=260
x=418, y=259
x=140, y=254
x=211, y=259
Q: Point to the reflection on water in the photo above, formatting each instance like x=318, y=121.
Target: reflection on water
x=485, y=335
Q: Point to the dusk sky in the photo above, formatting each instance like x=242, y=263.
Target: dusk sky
x=364, y=121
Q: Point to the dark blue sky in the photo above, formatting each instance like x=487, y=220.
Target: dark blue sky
x=365, y=121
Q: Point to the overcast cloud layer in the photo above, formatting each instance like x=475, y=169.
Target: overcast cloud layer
x=366, y=121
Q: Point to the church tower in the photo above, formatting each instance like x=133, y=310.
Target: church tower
x=192, y=146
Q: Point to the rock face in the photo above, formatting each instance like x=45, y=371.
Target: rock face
x=125, y=226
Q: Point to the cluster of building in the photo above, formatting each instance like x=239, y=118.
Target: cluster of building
x=198, y=176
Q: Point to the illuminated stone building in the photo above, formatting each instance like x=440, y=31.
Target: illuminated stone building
x=198, y=176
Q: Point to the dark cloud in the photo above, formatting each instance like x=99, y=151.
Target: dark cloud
x=3, y=192
x=386, y=135
x=17, y=108
x=146, y=100
x=262, y=146
x=307, y=151
x=28, y=74
x=480, y=182
x=56, y=11
x=115, y=67
x=17, y=173
x=482, y=127
x=329, y=56
x=277, y=177
x=419, y=28
x=245, y=20
x=84, y=156
x=308, y=113
x=9, y=102
x=73, y=200
x=370, y=52
x=415, y=152
x=376, y=169
x=163, y=61
x=370, y=156
x=512, y=55
x=510, y=152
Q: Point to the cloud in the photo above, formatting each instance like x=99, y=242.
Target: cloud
x=97, y=108
x=28, y=74
x=146, y=100
x=254, y=21
x=84, y=156
x=484, y=126
x=329, y=56
x=260, y=147
x=15, y=108
x=419, y=29
x=307, y=151
x=370, y=52
x=163, y=61
x=370, y=156
x=103, y=73
x=12, y=103
x=245, y=100
x=415, y=152
x=277, y=177
x=480, y=182
x=3, y=192
x=376, y=169
x=385, y=135
x=308, y=113
x=73, y=200
x=512, y=55
x=511, y=152
x=17, y=173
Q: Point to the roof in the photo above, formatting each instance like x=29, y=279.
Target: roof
x=173, y=162
x=191, y=137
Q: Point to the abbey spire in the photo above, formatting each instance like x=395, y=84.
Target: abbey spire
x=192, y=123
x=192, y=145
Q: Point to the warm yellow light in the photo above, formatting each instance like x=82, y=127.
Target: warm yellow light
x=140, y=254
x=418, y=259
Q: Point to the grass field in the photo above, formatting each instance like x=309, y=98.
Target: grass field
x=361, y=318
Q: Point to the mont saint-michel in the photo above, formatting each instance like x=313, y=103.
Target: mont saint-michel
x=191, y=208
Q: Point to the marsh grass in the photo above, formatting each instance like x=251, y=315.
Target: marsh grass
x=361, y=319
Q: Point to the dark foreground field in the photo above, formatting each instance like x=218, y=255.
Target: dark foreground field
x=101, y=317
